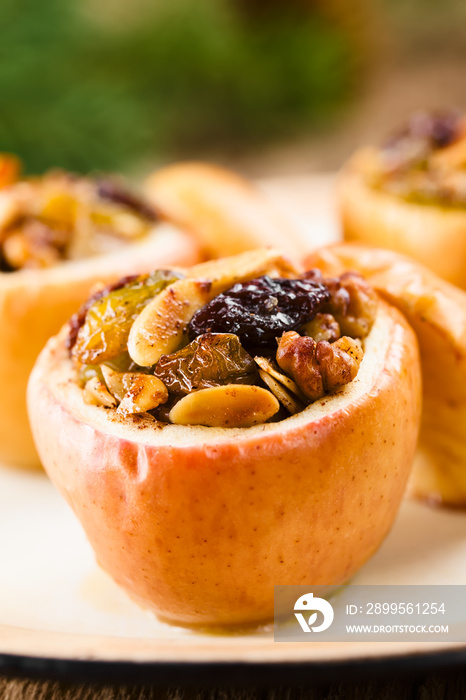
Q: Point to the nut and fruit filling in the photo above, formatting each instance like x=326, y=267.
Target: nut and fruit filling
x=57, y=217
x=425, y=162
x=233, y=349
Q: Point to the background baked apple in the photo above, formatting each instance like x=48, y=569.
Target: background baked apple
x=227, y=213
x=33, y=305
x=409, y=195
x=436, y=311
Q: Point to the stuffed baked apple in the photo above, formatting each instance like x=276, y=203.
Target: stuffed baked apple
x=436, y=310
x=410, y=194
x=238, y=425
x=59, y=235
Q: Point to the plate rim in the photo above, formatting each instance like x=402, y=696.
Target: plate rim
x=218, y=673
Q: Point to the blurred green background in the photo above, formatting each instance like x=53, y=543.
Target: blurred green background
x=113, y=85
x=268, y=86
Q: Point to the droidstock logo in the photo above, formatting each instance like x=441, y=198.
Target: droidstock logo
x=308, y=603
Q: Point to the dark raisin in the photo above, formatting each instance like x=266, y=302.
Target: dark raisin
x=261, y=310
x=161, y=413
x=423, y=133
x=440, y=129
x=116, y=193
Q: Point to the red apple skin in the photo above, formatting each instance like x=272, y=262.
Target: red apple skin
x=200, y=534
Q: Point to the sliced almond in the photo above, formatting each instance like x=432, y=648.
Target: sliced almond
x=147, y=417
x=136, y=392
x=291, y=404
x=229, y=406
x=158, y=330
x=267, y=366
x=97, y=394
x=143, y=393
x=114, y=382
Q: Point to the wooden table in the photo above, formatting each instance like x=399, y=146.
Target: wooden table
x=447, y=684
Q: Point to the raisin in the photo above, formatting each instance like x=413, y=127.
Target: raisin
x=78, y=318
x=104, y=334
x=209, y=360
x=260, y=310
x=412, y=146
x=114, y=192
x=437, y=130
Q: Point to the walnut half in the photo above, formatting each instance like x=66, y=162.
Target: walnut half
x=353, y=304
x=319, y=368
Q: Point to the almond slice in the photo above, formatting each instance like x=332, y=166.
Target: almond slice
x=136, y=392
x=144, y=393
x=267, y=366
x=229, y=406
x=97, y=394
x=114, y=382
x=158, y=330
x=278, y=390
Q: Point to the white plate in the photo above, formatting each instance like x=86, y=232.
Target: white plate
x=55, y=603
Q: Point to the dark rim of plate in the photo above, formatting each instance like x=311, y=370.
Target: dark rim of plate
x=209, y=674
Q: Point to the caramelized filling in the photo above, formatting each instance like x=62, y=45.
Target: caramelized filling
x=259, y=351
x=59, y=216
x=425, y=162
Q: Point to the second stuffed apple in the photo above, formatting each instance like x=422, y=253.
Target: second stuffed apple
x=436, y=311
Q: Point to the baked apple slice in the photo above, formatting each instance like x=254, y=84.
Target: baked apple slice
x=227, y=213
x=250, y=425
x=59, y=235
x=410, y=194
x=436, y=311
